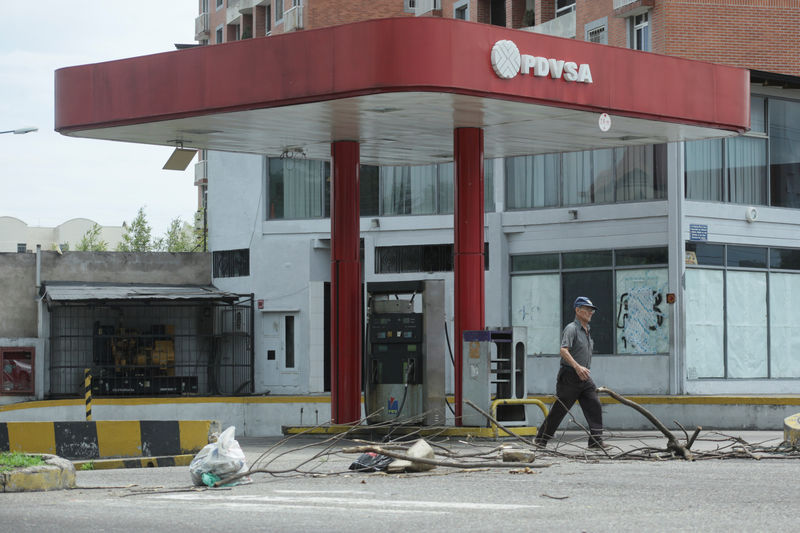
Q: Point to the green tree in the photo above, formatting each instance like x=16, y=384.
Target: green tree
x=179, y=237
x=137, y=236
x=91, y=241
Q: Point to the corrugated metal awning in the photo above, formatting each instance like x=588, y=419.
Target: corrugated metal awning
x=61, y=292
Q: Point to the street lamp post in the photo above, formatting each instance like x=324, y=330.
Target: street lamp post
x=20, y=131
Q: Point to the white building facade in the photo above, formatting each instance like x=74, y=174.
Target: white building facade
x=690, y=250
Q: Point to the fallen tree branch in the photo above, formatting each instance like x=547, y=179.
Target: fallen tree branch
x=672, y=442
x=436, y=462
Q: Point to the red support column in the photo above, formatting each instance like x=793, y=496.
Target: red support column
x=345, y=284
x=468, y=257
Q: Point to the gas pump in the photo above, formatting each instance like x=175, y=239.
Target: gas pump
x=405, y=352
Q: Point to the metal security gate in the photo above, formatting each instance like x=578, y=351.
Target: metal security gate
x=152, y=348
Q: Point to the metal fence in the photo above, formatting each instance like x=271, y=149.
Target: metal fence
x=152, y=348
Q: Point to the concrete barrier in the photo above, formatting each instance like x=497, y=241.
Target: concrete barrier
x=110, y=438
x=791, y=429
x=56, y=473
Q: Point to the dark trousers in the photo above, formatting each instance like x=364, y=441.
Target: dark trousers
x=570, y=388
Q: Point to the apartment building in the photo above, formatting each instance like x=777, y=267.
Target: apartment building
x=691, y=250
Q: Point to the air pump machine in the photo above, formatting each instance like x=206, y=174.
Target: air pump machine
x=404, y=363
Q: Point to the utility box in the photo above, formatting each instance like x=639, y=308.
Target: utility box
x=493, y=362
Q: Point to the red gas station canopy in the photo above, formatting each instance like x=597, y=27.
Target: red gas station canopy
x=402, y=91
x=400, y=87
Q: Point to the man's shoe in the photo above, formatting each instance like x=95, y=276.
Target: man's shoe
x=538, y=443
x=598, y=445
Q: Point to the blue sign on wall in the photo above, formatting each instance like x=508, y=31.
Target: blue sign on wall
x=698, y=232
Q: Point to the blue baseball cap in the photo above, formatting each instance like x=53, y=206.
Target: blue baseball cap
x=583, y=301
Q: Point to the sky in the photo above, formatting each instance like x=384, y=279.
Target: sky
x=47, y=178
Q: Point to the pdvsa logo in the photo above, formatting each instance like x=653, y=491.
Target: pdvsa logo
x=507, y=62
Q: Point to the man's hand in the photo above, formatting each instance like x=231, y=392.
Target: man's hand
x=582, y=372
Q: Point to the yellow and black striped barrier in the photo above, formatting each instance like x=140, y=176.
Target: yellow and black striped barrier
x=107, y=438
x=87, y=392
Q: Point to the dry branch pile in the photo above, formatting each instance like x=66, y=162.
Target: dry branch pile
x=471, y=454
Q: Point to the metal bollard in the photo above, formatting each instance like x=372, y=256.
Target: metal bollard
x=87, y=392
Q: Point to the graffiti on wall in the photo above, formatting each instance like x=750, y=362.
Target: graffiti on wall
x=642, y=320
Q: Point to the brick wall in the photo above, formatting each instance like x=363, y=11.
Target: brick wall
x=515, y=12
x=545, y=10
x=259, y=21
x=322, y=13
x=757, y=34
x=590, y=10
x=215, y=18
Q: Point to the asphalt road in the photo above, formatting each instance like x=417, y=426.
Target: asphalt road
x=569, y=495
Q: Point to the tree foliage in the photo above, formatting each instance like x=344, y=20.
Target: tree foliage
x=137, y=236
x=91, y=241
x=179, y=238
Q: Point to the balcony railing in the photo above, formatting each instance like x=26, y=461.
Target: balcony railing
x=563, y=26
x=201, y=27
x=423, y=7
x=232, y=14
x=293, y=19
x=622, y=3
x=200, y=172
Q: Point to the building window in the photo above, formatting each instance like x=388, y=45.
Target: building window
x=740, y=301
x=22, y=247
x=232, y=263
x=461, y=10
x=784, y=150
x=629, y=287
x=220, y=3
x=278, y=11
x=640, y=32
x=409, y=190
x=269, y=19
x=597, y=35
x=631, y=173
x=761, y=167
x=564, y=7
x=16, y=370
x=218, y=35
x=595, y=31
x=299, y=188
x=418, y=258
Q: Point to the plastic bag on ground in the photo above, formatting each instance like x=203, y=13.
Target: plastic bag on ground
x=371, y=462
x=221, y=459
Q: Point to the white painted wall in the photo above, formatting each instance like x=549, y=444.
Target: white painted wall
x=290, y=262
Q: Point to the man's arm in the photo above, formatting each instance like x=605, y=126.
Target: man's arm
x=581, y=370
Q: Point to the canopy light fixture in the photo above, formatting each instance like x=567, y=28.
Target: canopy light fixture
x=180, y=158
x=293, y=152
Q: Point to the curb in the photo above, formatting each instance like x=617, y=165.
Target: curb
x=134, y=462
x=791, y=429
x=55, y=474
x=108, y=438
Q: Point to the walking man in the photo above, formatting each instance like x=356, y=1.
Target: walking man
x=574, y=380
